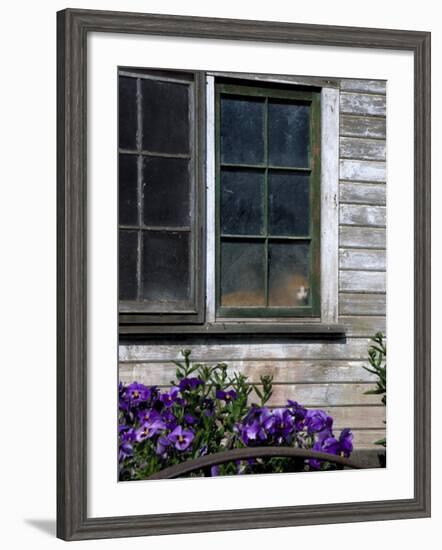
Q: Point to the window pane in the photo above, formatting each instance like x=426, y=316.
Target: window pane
x=127, y=112
x=165, y=192
x=242, y=273
x=165, y=267
x=127, y=189
x=127, y=264
x=242, y=130
x=289, y=284
x=242, y=202
x=289, y=134
x=165, y=116
x=289, y=204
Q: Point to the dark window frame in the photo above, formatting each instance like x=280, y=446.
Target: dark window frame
x=140, y=312
x=295, y=94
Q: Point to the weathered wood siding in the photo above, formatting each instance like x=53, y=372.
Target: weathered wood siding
x=326, y=374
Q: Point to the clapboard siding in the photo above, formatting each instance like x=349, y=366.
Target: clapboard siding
x=362, y=149
x=362, y=281
x=365, y=215
x=368, y=259
x=327, y=374
x=365, y=439
x=209, y=352
x=364, y=86
x=314, y=371
x=362, y=237
x=362, y=170
x=362, y=104
x=362, y=304
x=362, y=193
x=363, y=127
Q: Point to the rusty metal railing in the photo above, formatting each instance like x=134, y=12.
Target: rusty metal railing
x=249, y=453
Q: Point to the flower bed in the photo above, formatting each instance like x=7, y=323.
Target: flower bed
x=206, y=410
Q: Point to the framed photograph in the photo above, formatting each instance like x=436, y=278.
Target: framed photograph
x=243, y=224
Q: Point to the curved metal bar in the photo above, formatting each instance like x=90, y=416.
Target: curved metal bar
x=249, y=452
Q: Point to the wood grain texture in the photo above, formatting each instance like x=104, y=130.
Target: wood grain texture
x=362, y=237
x=329, y=204
x=230, y=352
x=360, y=325
x=362, y=193
x=364, y=86
x=363, y=104
x=362, y=304
x=362, y=281
x=374, y=216
x=363, y=127
x=362, y=149
x=362, y=170
x=362, y=259
x=301, y=371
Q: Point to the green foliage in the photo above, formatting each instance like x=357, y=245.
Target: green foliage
x=377, y=354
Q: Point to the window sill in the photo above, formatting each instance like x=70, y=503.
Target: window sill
x=229, y=330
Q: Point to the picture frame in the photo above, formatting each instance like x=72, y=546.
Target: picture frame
x=73, y=27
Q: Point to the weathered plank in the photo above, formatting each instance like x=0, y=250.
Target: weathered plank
x=362, y=281
x=362, y=170
x=357, y=417
x=329, y=204
x=367, y=215
x=363, y=193
x=362, y=304
x=320, y=395
x=362, y=259
x=363, y=325
x=354, y=348
x=364, y=439
x=324, y=371
x=362, y=237
x=362, y=149
x=363, y=104
x=360, y=126
x=368, y=86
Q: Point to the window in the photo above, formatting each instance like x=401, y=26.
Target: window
x=268, y=201
x=226, y=219
x=158, y=196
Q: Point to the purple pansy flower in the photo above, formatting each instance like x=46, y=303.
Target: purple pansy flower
x=136, y=393
x=298, y=411
x=168, y=399
x=317, y=420
x=170, y=419
x=147, y=414
x=127, y=436
x=346, y=442
x=125, y=451
x=181, y=438
x=214, y=470
x=149, y=429
x=226, y=396
x=282, y=424
x=190, y=383
x=190, y=419
x=163, y=443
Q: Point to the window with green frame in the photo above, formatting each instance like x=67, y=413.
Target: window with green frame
x=267, y=201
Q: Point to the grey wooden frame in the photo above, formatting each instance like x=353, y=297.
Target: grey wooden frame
x=72, y=520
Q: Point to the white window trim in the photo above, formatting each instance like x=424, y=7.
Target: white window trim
x=329, y=204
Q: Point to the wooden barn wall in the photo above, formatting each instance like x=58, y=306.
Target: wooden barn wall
x=326, y=374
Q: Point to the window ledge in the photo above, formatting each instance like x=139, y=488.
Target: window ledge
x=229, y=330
